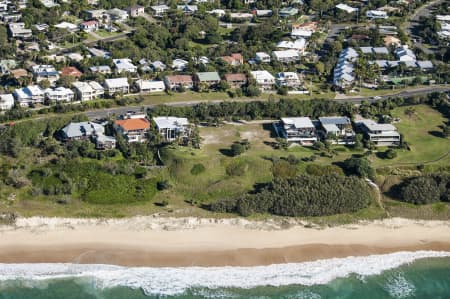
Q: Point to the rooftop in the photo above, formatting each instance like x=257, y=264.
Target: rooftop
x=132, y=124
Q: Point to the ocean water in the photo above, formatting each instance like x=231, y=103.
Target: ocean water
x=422, y=274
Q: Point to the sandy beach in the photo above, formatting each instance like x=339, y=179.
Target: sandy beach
x=156, y=241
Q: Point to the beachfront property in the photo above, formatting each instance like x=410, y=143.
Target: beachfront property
x=6, y=101
x=236, y=80
x=29, y=95
x=337, y=129
x=172, y=128
x=207, y=79
x=133, y=129
x=59, y=94
x=117, y=85
x=297, y=129
x=89, y=90
x=177, y=82
x=264, y=79
x=379, y=134
x=149, y=86
x=81, y=131
x=45, y=72
x=288, y=79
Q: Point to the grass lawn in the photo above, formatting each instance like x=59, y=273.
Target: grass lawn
x=421, y=131
x=104, y=33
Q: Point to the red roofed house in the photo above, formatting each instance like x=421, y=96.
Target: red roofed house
x=133, y=129
x=71, y=71
x=89, y=26
x=234, y=59
x=235, y=80
x=177, y=81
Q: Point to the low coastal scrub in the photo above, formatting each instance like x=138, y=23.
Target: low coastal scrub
x=425, y=189
x=302, y=196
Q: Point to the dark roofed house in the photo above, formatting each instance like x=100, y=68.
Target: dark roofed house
x=236, y=80
x=81, y=130
x=337, y=129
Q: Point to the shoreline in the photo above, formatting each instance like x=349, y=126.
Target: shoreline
x=172, y=242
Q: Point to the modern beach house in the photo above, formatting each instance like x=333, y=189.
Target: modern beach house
x=337, y=129
x=379, y=134
x=172, y=128
x=297, y=129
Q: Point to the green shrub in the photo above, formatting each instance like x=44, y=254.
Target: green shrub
x=283, y=169
x=426, y=189
x=197, y=169
x=237, y=168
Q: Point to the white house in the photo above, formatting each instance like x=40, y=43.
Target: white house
x=125, y=65
x=179, y=64
x=19, y=31
x=380, y=134
x=150, y=86
x=29, y=95
x=286, y=56
x=297, y=129
x=6, y=101
x=289, y=79
x=117, y=85
x=160, y=10
x=264, y=79
x=301, y=33
x=45, y=72
x=59, y=94
x=68, y=26
x=403, y=53
x=188, y=9
x=172, y=128
x=87, y=91
x=344, y=72
x=102, y=69
x=89, y=26
x=118, y=14
x=298, y=45
x=262, y=57
x=376, y=14
x=346, y=8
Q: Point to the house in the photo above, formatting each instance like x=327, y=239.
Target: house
x=125, y=65
x=67, y=26
x=71, y=71
x=376, y=14
x=425, y=65
x=287, y=12
x=177, y=82
x=97, y=14
x=380, y=51
x=6, y=65
x=337, y=129
x=403, y=53
x=207, y=79
x=45, y=72
x=89, y=26
x=29, y=95
x=346, y=8
x=159, y=10
x=103, y=142
x=102, y=69
x=19, y=73
x=89, y=90
x=241, y=16
x=387, y=30
x=262, y=57
x=158, y=66
x=188, y=9
x=6, y=101
x=264, y=79
x=298, y=45
x=288, y=79
x=286, y=56
x=133, y=129
x=136, y=11
x=234, y=59
x=179, y=64
x=150, y=86
x=297, y=129
x=117, y=85
x=59, y=94
x=261, y=13
x=343, y=75
x=310, y=26
x=18, y=30
x=81, y=131
x=391, y=41
x=118, y=15
x=99, y=53
x=379, y=134
x=236, y=80
x=172, y=128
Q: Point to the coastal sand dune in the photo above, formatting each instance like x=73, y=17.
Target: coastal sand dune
x=159, y=241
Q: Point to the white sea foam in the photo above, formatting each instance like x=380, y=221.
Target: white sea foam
x=173, y=281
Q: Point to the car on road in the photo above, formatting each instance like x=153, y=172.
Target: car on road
x=376, y=98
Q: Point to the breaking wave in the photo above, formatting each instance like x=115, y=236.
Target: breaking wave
x=175, y=281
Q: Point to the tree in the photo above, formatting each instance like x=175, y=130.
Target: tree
x=237, y=149
x=359, y=167
x=44, y=84
x=390, y=154
x=420, y=190
x=320, y=67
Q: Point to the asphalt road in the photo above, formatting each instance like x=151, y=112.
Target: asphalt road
x=104, y=113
